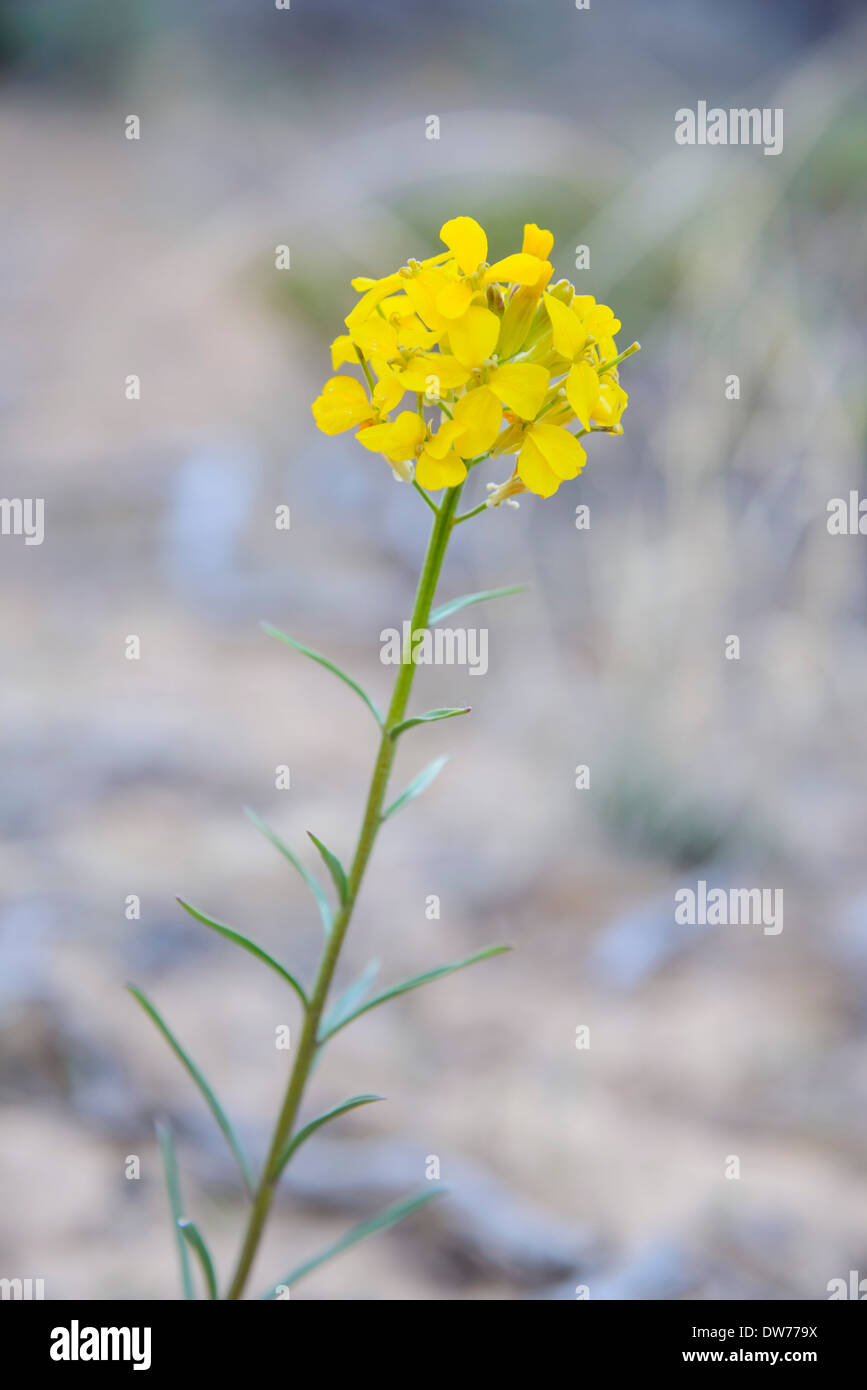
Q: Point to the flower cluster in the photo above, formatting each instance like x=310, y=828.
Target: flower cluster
x=511, y=365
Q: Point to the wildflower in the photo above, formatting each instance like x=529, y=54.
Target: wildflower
x=397, y=439
x=516, y=367
x=452, y=298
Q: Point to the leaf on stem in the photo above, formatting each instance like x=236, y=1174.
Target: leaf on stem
x=431, y=717
x=334, y=867
x=352, y=995
x=415, y=982
x=191, y=1234
x=418, y=784
x=329, y=666
x=352, y=1104
x=214, y=1105
x=454, y=605
x=389, y=1217
x=173, y=1187
x=245, y=945
x=309, y=878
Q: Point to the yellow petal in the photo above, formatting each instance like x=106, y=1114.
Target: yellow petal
x=423, y=290
x=413, y=334
x=582, y=391
x=468, y=242
x=582, y=304
x=535, y=471
x=342, y=405
x=376, y=437
x=521, y=386
x=409, y=431
x=520, y=269
x=455, y=299
x=375, y=295
x=397, y=439
x=567, y=329
x=560, y=450
x=432, y=473
x=601, y=322
x=473, y=338
x=537, y=242
x=376, y=337
x=607, y=348
x=387, y=393
x=481, y=415
x=342, y=351
x=434, y=371
x=611, y=404
x=396, y=304
x=442, y=441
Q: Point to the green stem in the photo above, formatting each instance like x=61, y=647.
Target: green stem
x=307, y=1046
x=467, y=515
x=621, y=357
x=367, y=372
x=421, y=492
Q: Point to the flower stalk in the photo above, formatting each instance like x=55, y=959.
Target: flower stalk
x=373, y=813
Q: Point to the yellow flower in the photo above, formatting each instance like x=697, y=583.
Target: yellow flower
x=598, y=321
x=449, y=304
x=508, y=365
x=451, y=298
x=574, y=328
x=397, y=439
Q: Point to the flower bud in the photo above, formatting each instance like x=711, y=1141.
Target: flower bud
x=564, y=290
x=494, y=298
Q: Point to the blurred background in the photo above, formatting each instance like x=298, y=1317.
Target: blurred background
x=603, y=1167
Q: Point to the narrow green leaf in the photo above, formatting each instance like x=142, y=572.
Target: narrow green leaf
x=454, y=605
x=414, y=983
x=192, y=1236
x=245, y=945
x=352, y=1104
x=389, y=1217
x=429, y=718
x=216, y=1108
x=173, y=1187
x=418, y=784
x=309, y=878
x=334, y=867
x=352, y=995
x=329, y=666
